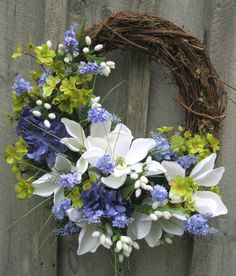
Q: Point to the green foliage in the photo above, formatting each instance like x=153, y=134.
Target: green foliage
x=19, y=51
x=44, y=54
x=164, y=129
x=17, y=152
x=74, y=196
x=19, y=102
x=35, y=75
x=24, y=189
x=50, y=85
x=58, y=68
x=183, y=187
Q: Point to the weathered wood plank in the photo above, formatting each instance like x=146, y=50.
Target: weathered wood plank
x=217, y=256
x=19, y=254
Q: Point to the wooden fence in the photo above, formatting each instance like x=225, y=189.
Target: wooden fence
x=146, y=98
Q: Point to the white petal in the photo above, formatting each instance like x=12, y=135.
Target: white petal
x=139, y=150
x=100, y=129
x=87, y=243
x=154, y=235
x=45, y=185
x=155, y=168
x=72, y=143
x=96, y=142
x=114, y=182
x=141, y=225
x=207, y=202
x=172, y=226
x=203, y=166
x=210, y=178
x=62, y=164
x=173, y=169
x=119, y=172
x=74, y=129
x=120, y=149
x=93, y=155
x=58, y=195
x=81, y=165
x=76, y=217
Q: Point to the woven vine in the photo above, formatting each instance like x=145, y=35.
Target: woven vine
x=199, y=91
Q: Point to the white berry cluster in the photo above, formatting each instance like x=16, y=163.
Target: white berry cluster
x=124, y=247
x=38, y=112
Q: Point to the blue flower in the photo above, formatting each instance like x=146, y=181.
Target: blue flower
x=100, y=203
x=42, y=80
x=197, y=225
x=68, y=229
x=69, y=180
x=163, y=148
x=159, y=193
x=42, y=142
x=186, y=161
x=89, y=68
x=21, y=86
x=59, y=211
x=98, y=115
x=106, y=164
x=70, y=41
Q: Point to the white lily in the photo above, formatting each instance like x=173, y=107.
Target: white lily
x=47, y=184
x=203, y=174
x=144, y=226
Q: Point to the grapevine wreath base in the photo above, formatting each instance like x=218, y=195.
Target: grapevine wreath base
x=103, y=185
x=187, y=59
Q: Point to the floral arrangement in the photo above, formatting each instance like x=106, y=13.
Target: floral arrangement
x=107, y=187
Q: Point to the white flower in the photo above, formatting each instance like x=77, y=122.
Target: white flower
x=85, y=50
x=47, y=184
x=203, y=174
x=98, y=47
x=88, y=40
x=49, y=43
x=144, y=226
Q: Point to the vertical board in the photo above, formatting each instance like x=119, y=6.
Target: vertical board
x=23, y=251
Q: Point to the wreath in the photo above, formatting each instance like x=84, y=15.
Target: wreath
x=105, y=186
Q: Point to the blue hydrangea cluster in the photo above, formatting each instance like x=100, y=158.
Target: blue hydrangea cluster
x=106, y=164
x=69, y=180
x=42, y=80
x=163, y=148
x=197, y=225
x=186, y=161
x=70, y=41
x=42, y=143
x=100, y=203
x=68, y=229
x=21, y=85
x=59, y=211
x=90, y=67
x=159, y=193
x=99, y=115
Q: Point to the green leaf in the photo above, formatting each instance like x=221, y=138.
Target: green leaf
x=24, y=188
x=127, y=189
x=213, y=141
x=164, y=129
x=74, y=196
x=81, y=32
x=19, y=51
x=19, y=102
x=44, y=54
x=50, y=85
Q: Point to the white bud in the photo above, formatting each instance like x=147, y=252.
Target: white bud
x=121, y=258
x=52, y=116
x=49, y=43
x=134, y=176
x=144, y=179
x=47, y=106
x=136, y=246
x=108, y=241
x=95, y=100
x=155, y=205
x=138, y=192
x=61, y=49
x=103, y=239
x=158, y=214
x=137, y=184
x=166, y=214
x=153, y=217
x=98, y=47
x=85, y=50
x=103, y=64
x=96, y=234
x=125, y=239
x=39, y=102
x=146, y=187
x=111, y=64
x=126, y=254
x=68, y=58
x=47, y=124
x=37, y=113
x=116, y=250
x=96, y=105
x=125, y=247
x=88, y=40
x=106, y=71
x=119, y=246
x=44, y=95
x=130, y=248
x=168, y=240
